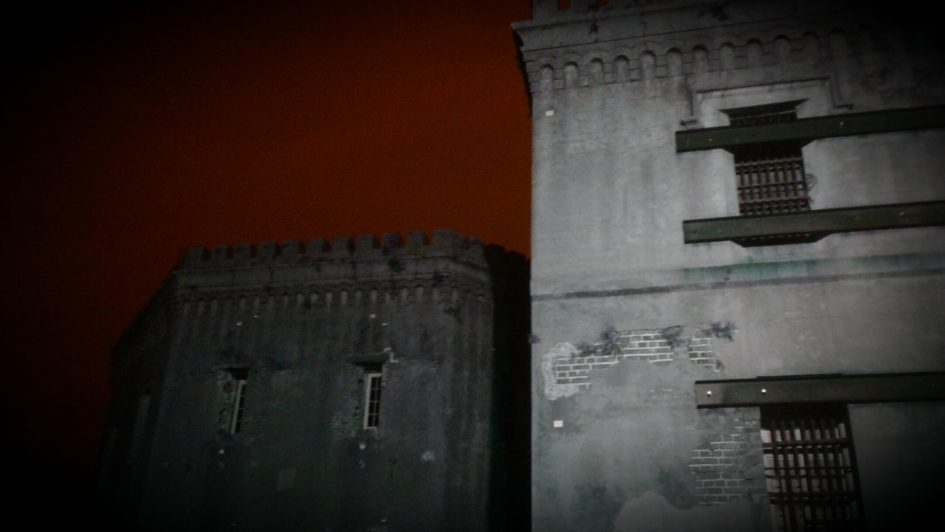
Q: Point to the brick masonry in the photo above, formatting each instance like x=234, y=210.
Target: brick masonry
x=651, y=345
x=728, y=468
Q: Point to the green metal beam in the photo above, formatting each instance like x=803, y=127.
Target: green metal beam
x=821, y=222
x=876, y=388
x=807, y=129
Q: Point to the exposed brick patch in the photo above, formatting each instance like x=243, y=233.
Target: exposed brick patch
x=650, y=345
x=700, y=352
x=646, y=345
x=558, y=380
x=729, y=468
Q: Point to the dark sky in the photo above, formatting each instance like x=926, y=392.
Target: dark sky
x=132, y=133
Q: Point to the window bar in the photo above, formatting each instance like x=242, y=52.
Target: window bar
x=765, y=190
x=764, y=196
x=779, y=186
x=238, y=403
x=810, y=469
x=372, y=400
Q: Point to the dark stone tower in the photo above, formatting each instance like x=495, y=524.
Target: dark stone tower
x=366, y=386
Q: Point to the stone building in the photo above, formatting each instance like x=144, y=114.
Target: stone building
x=362, y=386
x=738, y=299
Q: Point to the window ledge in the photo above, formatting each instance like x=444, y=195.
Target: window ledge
x=809, y=226
x=867, y=388
x=807, y=129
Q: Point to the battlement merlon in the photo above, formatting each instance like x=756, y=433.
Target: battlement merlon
x=554, y=10
x=587, y=22
x=343, y=260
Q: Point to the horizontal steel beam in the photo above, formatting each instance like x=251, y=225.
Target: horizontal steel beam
x=875, y=388
x=807, y=129
x=820, y=222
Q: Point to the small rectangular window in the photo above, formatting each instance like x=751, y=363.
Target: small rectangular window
x=372, y=397
x=771, y=176
x=239, y=399
x=771, y=180
x=810, y=467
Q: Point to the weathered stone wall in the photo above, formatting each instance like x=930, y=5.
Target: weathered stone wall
x=303, y=324
x=617, y=441
x=139, y=363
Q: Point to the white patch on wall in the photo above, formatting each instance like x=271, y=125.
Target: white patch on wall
x=555, y=388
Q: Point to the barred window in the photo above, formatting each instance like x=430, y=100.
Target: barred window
x=810, y=467
x=771, y=176
x=771, y=180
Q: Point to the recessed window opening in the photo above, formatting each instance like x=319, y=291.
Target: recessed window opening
x=771, y=176
x=372, y=396
x=239, y=399
x=771, y=179
x=810, y=467
x=763, y=114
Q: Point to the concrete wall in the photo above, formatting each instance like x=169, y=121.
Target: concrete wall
x=627, y=316
x=304, y=324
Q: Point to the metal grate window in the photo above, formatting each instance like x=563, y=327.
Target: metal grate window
x=771, y=177
x=810, y=467
x=771, y=181
x=372, y=399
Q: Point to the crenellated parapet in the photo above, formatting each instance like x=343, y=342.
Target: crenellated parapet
x=441, y=243
x=555, y=9
x=363, y=269
x=594, y=43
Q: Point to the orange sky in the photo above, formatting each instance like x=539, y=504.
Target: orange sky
x=130, y=134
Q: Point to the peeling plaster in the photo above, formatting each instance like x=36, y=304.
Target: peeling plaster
x=566, y=368
x=554, y=390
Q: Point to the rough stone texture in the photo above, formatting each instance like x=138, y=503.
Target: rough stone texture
x=445, y=320
x=617, y=441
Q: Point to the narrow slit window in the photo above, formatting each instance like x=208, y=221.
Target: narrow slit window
x=810, y=467
x=239, y=400
x=372, y=397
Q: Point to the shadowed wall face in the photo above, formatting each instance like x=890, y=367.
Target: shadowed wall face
x=135, y=130
x=348, y=388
